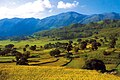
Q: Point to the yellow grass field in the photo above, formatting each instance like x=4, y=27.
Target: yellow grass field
x=13, y=72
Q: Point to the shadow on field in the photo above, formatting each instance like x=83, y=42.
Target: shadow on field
x=7, y=61
x=44, y=63
x=67, y=62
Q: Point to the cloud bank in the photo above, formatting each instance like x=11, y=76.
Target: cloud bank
x=29, y=9
x=36, y=9
x=64, y=5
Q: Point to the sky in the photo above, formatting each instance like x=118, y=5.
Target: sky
x=44, y=8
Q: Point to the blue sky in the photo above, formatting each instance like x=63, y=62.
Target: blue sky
x=45, y=8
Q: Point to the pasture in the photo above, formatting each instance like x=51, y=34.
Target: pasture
x=42, y=66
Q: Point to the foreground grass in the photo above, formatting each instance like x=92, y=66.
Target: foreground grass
x=13, y=72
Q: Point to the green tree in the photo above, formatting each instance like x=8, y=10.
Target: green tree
x=55, y=52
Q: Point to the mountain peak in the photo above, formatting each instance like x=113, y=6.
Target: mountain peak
x=72, y=12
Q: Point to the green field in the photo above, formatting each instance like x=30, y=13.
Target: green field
x=43, y=59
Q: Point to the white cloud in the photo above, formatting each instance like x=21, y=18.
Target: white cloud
x=64, y=5
x=50, y=10
x=26, y=10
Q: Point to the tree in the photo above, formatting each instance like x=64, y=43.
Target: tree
x=26, y=54
x=83, y=45
x=27, y=45
x=79, y=40
x=95, y=64
x=106, y=53
x=5, y=51
x=24, y=49
x=18, y=55
x=101, y=40
x=94, y=46
x=105, y=39
x=9, y=46
x=68, y=55
x=33, y=48
x=69, y=47
x=22, y=61
x=92, y=40
x=55, y=52
x=70, y=42
x=76, y=49
x=112, y=42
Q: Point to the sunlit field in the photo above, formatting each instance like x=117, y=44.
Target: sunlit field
x=12, y=72
x=46, y=67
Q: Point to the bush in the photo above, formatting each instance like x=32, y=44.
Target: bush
x=68, y=55
x=27, y=45
x=33, y=48
x=18, y=55
x=24, y=49
x=76, y=49
x=69, y=48
x=79, y=40
x=55, y=52
x=5, y=51
x=26, y=54
x=83, y=45
x=106, y=53
x=95, y=64
x=22, y=61
x=9, y=46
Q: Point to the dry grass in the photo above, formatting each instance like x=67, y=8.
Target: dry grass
x=13, y=72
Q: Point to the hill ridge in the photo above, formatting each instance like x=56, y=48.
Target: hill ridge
x=27, y=26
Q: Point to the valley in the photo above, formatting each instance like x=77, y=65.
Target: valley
x=75, y=47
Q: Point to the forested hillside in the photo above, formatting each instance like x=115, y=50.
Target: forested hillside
x=102, y=28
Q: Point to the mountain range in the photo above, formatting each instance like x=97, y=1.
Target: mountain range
x=27, y=26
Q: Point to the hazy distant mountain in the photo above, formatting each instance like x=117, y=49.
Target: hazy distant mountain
x=27, y=26
x=99, y=17
x=17, y=26
x=63, y=19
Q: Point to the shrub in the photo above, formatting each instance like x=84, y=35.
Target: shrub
x=79, y=40
x=83, y=45
x=9, y=46
x=76, y=49
x=68, y=55
x=18, y=55
x=106, y=53
x=27, y=45
x=33, y=48
x=94, y=46
x=22, y=61
x=24, y=49
x=26, y=54
x=69, y=48
x=95, y=64
x=5, y=51
x=55, y=52
x=70, y=42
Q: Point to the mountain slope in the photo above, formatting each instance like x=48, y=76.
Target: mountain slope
x=21, y=27
x=27, y=26
x=82, y=30
x=99, y=17
x=63, y=19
